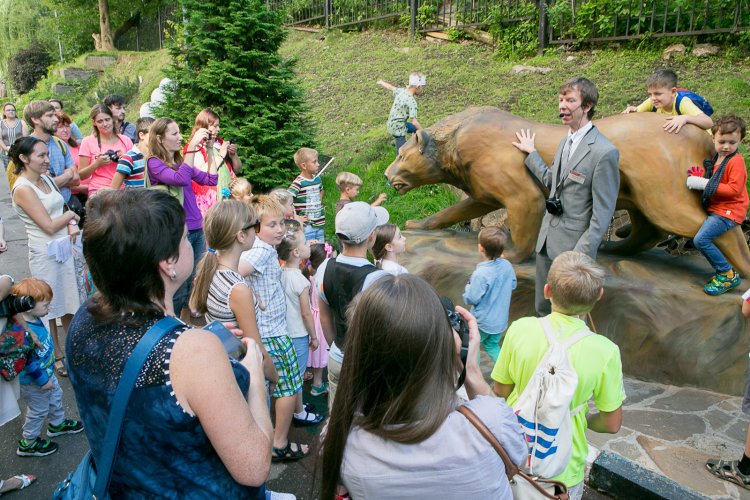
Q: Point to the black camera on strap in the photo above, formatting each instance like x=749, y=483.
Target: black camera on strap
x=554, y=205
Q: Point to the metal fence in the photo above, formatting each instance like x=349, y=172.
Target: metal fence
x=562, y=21
x=150, y=32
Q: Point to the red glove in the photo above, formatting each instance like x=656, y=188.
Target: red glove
x=696, y=171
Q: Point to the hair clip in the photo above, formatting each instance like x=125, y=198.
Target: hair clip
x=226, y=192
x=211, y=250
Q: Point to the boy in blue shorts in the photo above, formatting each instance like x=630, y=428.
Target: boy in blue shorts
x=666, y=99
x=489, y=288
x=403, y=116
x=262, y=271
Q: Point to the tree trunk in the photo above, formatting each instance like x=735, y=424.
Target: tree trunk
x=105, y=38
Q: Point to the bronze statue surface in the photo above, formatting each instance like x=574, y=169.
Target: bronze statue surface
x=472, y=150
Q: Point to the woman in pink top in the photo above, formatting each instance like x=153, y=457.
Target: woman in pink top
x=94, y=162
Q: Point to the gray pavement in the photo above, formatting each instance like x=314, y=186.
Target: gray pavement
x=668, y=429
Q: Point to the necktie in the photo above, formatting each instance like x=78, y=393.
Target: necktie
x=564, y=168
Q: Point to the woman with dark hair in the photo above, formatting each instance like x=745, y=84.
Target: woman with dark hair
x=12, y=128
x=167, y=169
x=100, y=151
x=213, y=150
x=41, y=207
x=175, y=440
x=395, y=431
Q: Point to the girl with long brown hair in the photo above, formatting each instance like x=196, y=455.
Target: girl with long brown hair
x=394, y=430
x=169, y=170
x=214, y=150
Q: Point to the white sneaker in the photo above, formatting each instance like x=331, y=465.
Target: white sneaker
x=275, y=495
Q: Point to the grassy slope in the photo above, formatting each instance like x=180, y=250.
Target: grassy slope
x=147, y=65
x=349, y=110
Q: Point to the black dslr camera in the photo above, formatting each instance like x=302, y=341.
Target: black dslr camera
x=458, y=323
x=112, y=155
x=13, y=304
x=554, y=205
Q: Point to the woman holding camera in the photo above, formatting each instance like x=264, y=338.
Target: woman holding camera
x=203, y=416
x=217, y=150
x=168, y=170
x=41, y=207
x=100, y=151
x=394, y=430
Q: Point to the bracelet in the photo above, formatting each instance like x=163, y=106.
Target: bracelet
x=72, y=222
x=193, y=151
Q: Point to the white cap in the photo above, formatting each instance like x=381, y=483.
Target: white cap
x=357, y=220
x=417, y=81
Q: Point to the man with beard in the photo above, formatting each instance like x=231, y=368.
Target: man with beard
x=42, y=118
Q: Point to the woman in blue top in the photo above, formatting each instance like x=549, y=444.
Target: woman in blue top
x=197, y=424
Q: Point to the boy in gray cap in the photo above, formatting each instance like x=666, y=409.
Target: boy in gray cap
x=339, y=280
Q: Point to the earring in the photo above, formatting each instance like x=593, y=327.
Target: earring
x=174, y=275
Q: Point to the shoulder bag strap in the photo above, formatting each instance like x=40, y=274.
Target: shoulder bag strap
x=511, y=469
x=122, y=396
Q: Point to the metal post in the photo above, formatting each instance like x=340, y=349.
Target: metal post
x=542, y=26
x=327, y=4
x=413, y=21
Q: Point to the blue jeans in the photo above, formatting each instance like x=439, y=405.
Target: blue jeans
x=713, y=227
x=302, y=348
x=314, y=233
x=401, y=139
x=182, y=296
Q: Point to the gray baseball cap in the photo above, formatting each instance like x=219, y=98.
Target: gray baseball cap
x=357, y=220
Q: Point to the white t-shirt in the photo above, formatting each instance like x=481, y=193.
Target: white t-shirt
x=392, y=267
x=294, y=284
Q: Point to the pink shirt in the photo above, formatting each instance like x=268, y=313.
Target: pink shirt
x=102, y=176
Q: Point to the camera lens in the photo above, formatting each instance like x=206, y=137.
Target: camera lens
x=13, y=304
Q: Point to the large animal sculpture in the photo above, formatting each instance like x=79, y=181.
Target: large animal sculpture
x=472, y=150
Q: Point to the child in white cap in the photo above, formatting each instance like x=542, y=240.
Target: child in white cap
x=403, y=115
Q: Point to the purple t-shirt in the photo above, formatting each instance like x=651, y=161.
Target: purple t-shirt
x=161, y=173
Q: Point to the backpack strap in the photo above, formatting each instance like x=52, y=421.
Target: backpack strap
x=552, y=336
x=60, y=144
x=678, y=101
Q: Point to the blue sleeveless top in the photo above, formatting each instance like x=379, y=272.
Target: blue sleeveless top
x=164, y=452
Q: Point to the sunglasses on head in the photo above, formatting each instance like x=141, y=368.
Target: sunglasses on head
x=249, y=225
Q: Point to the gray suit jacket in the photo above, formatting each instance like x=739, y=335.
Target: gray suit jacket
x=588, y=205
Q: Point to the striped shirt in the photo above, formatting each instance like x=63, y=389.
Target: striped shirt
x=219, y=292
x=266, y=281
x=308, y=200
x=133, y=166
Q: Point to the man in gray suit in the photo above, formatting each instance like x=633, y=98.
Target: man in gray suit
x=583, y=182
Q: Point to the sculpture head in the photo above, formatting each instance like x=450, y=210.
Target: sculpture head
x=416, y=164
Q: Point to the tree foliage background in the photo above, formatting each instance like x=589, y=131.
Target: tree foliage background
x=225, y=57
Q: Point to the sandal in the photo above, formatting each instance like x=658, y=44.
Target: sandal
x=25, y=479
x=309, y=418
x=60, y=370
x=728, y=471
x=287, y=454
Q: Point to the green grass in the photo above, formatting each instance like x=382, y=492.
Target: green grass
x=349, y=110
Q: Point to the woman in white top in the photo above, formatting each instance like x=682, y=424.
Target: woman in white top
x=394, y=430
x=12, y=128
x=219, y=291
x=42, y=209
x=389, y=244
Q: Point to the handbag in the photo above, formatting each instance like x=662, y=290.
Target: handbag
x=89, y=480
x=523, y=485
x=15, y=348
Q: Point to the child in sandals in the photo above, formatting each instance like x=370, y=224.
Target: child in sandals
x=737, y=471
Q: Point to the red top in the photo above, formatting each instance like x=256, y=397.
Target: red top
x=730, y=199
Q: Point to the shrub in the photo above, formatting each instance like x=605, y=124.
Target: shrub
x=126, y=87
x=225, y=57
x=28, y=66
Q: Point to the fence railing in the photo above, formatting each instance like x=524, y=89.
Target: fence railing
x=562, y=21
x=149, y=32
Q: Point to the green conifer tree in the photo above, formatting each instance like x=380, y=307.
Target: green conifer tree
x=225, y=58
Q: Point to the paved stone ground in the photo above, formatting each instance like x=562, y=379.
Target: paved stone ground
x=668, y=429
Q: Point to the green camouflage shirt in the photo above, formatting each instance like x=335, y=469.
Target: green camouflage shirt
x=404, y=107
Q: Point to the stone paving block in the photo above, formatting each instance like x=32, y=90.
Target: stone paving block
x=77, y=74
x=688, y=400
x=684, y=465
x=600, y=440
x=718, y=420
x=62, y=89
x=737, y=430
x=664, y=425
x=636, y=390
x=731, y=404
x=100, y=63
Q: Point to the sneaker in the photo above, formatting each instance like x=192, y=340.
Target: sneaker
x=67, y=426
x=37, y=448
x=319, y=390
x=720, y=284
